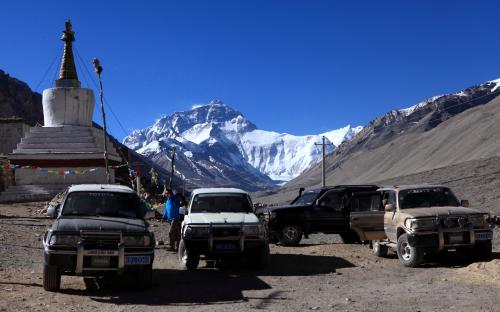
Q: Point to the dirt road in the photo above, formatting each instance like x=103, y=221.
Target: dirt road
x=321, y=275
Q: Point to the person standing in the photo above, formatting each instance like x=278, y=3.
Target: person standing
x=171, y=214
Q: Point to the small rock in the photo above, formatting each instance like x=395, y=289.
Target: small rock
x=314, y=308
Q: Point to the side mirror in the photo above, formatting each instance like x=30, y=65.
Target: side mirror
x=464, y=203
x=183, y=210
x=52, y=211
x=389, y=207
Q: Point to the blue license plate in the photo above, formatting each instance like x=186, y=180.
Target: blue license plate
x=137, y=260
x=484, y=236
x=225, y=246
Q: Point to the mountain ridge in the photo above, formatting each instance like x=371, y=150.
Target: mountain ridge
x=206, y=129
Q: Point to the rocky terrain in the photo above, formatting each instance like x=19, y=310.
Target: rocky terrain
x=18, y=100
x=319, y=275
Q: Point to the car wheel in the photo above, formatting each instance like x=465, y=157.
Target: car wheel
x=291, y=235
x=187, y=260
x=90, y=283
x=409, y=256
x=259, y=259
x=144, y=278
x=483, y=251
x=379, y=249
x=350, y=238
x=51, y=278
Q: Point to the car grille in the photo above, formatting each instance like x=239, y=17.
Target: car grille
x=108, y=241
x=223, y=232
x=455, y=222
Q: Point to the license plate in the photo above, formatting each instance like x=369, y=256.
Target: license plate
x=484, y=236
x=456, y=238
x=225, y=246
x=99, y=262
x=137, y=260
x=100, y=252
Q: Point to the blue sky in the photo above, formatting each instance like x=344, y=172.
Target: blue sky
x=300, y=67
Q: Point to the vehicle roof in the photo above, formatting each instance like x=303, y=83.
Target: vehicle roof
x=347, y=186
x=411, y=186
x=100, y=188
x=215, y=190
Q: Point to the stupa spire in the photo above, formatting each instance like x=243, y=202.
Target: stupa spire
x=67, y=74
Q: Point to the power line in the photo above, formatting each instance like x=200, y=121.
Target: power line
x=105, y=100
x=46, y=72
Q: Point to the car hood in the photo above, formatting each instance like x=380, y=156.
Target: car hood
x=284, y=207
x=73, y=224
x=223, y=217
x=438, y=211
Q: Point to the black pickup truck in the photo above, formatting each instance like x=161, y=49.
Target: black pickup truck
x=325, y=210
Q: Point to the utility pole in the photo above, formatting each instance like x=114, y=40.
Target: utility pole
x=172, y=168
x=98, y=70
x=323, y=146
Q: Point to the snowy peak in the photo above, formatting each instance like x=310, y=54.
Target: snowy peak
x=227, y=137
x=489, y=86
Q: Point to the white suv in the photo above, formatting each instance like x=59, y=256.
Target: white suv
x=220, y=223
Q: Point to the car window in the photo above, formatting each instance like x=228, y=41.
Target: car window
x=221, y=203
x=427, y=197
x=366, y=202
x=306, y=198
x=331, y=201
x=124, y=205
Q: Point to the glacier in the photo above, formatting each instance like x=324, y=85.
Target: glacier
x=224, y=138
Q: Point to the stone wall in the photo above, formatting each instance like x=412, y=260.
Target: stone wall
x=25, y=176
x=6, y=178
x=11, y=133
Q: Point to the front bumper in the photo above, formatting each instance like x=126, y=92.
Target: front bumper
x=79, y=262
x=82, y=258
x=233, y=242
x=449, y=239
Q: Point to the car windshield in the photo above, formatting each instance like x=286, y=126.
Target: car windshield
x=221, y=203
x=427, y=197
x=305, y=199
x=123, y=205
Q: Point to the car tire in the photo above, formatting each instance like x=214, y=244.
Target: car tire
x=409, y=256
x=188, y=261
x=144, y=278
x=483, y=251
x=291, y=235
x=90, y=283
x=258, y=259
x=51, y=278
x=350, y=238
x=379, y=249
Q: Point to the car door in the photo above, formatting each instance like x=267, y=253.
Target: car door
x=367, y=215
x=326, y=214
x=390, y=217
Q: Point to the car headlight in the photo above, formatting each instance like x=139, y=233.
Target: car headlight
x=137, y=240
x=421, y=224
x=63, y=239
x=479, y=220
x=253, y=230
x=196, y=231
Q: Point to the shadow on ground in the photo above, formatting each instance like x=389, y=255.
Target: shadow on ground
x=208, y=286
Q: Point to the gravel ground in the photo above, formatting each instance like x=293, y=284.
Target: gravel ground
x=321, y=274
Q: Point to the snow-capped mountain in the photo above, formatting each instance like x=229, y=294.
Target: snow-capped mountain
x=217, y=141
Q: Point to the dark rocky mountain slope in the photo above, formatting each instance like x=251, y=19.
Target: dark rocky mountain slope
x=17, y=100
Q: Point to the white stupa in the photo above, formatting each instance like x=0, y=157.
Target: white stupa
x=67, y=149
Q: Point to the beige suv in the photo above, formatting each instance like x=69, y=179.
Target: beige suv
x=415, y=220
